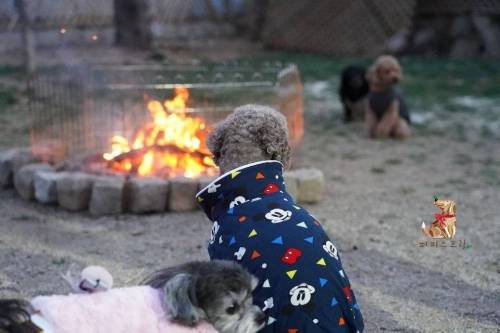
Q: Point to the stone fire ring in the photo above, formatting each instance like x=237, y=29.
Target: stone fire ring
x=112, y=195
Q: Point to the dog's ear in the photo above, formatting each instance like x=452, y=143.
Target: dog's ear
x=180, y=300
x=215, y=140
x=397, y=67
x=400, y=72
x=15, y=317
x=452, y=208
x=273, y=138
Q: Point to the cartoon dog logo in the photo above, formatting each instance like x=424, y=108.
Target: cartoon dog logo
x=278, y=215
x=444, y=225
x=237, y=201
x=301, y=294
x=331, y=249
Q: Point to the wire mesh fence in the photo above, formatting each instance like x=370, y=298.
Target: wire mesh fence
x=79, y=110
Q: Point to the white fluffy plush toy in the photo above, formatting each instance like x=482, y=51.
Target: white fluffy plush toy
x=91, y=279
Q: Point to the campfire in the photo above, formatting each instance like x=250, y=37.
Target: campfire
x=148, y=124
x=144, y=121
x=170, y=144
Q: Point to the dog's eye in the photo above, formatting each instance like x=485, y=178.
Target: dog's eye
x=232, y=309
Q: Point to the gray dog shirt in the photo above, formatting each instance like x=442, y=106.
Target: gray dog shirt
x=381, y=100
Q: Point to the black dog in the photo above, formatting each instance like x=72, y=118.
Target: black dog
x=353, y=90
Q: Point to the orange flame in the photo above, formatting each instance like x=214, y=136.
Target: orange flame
x=171, y=144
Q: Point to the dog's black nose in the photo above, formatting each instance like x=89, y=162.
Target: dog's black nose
x=260, y=319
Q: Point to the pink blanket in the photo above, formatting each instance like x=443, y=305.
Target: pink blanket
x=127, y=310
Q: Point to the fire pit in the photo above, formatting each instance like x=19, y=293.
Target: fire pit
x=114, y=139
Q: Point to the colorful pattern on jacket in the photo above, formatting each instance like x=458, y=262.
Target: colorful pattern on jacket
x=302, y=286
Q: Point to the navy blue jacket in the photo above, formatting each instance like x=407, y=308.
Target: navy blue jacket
x=302, y=286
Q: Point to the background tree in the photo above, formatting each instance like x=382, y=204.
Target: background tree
x=132, y=20
x=27, y=35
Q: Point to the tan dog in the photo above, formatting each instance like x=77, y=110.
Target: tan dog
x=387, y=113
x=444, y=225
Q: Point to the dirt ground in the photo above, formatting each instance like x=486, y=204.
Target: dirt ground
x=377, y=195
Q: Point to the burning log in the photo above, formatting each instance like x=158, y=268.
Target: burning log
x=163, y=149
x=130, y=162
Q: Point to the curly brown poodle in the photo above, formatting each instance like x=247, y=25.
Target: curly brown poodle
x=248, y=146
x=251, y=133
x=387, y=114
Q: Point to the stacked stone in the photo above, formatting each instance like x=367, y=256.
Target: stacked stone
x=113, y=195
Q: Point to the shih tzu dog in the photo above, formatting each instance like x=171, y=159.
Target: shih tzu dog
x=202, y=297
x=15, y=317
x=303, y=287
x=219, y=292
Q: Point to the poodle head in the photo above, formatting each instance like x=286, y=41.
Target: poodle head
x=385, y=71
x=251, y=133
